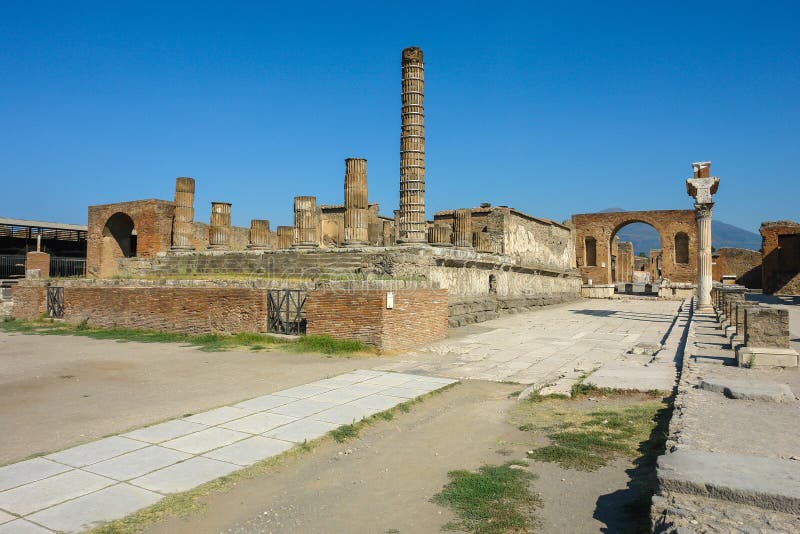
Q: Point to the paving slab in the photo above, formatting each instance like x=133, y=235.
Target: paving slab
x=137, y=463
x=302, y=430
x=346, y=394
x=264, y=403
x=185, y=475
x=218, y=415
x=404, y=392
x=96, y=508
x=165, y=431
x=29, y=471
x=205, y=440
x=5, y=518
x=375, y=403
x=250, y=451
x=771, y=483
x=302, y=408
x=305, y=391
x=96, y=451
x=258, y=423
x=390, y=379
x=748, y=389
x=344, y=415
x=633, y=377
x=54, y=490
x=20, y=526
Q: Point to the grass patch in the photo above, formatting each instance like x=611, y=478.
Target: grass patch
x=206, y=342
x=495, y=499
x=345, y=432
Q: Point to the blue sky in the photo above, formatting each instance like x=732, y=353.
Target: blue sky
x=554, y=108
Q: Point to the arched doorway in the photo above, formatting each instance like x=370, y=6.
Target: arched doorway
x=119, y=241
x=635, y=258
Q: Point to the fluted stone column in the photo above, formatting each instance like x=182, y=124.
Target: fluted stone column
x=356, y=204
x=462, y=228
x=412, y=149
x=440, y=235
x=285, y=237
x=220, y=229
x=184, y=214
x=260, y=236
x=305, y=222
x=701, y=187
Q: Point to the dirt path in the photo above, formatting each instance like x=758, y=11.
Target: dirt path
x=383, y=480
x=58, y=391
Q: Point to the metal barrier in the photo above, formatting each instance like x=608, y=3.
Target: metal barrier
x=67, y=266
x=286, y=311
x=12, y=266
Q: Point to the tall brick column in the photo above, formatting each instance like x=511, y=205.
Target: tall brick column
x=412, y=149
x=184, y=214
x=220, y=228
x=701, y=187
x=260, y=237
x=356, y=204
x=305, y=222
x=285, y=236
x=462, y=228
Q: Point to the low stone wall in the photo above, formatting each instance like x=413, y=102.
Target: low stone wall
x=478, y=309
x=417, y=316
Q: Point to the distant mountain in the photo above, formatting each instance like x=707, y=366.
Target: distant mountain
x=644, y=237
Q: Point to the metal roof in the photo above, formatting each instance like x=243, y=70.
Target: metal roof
x=42, y=224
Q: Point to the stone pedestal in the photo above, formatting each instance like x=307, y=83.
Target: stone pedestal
x=462, y=228
x=220, y=228
x=356, y=203
x=598, y=291
x=260, y=235
x=37, y=265
x=305, y=222
x=184, y=215
x=412, y=226
x=766, y=338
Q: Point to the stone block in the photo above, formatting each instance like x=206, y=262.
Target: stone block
x=597, y=291
x=749, y=389
x=766, y=357
x=185, y=475
x=766, y=327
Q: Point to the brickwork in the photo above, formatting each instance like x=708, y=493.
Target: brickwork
x=109, y=237
x=780, y=249
x=418, y=316
x=744, y=264
x=604, y=226
x=29, y=301
x=38, y=261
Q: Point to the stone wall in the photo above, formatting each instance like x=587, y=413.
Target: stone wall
x=151, y=220
x=418, y=316
x=780, y=249
x=744, y=264
x=602, y=227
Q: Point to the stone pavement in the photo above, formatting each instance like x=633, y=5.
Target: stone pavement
x=732, y=454
x=553, y=347
x=79, y=488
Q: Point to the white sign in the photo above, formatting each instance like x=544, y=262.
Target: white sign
x=389, y=300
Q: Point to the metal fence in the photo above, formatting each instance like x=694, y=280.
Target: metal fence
x=286, y=312
x=67, y=266
x=12, y=266
x=55, y=302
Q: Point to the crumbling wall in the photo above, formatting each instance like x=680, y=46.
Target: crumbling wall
x=744, y=264
x=780, y=249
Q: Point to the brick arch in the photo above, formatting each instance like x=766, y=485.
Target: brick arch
x=604, y=226
x=152, y=220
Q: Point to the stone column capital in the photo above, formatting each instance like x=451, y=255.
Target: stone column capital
x=701, y=189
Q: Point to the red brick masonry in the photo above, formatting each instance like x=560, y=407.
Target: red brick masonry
x=419, y=316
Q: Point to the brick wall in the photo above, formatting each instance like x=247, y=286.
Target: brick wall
x=780, y=249
x=29, y=301
x=40, y=261
x=419, y=316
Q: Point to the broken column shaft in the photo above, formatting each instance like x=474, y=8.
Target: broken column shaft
x=462, y=228
x=260, y=236
x=440, y=235
x=356, y=204
x=305, y=222
x=285, y=236
x=412, y=149
x=184, y=214
x=220, y=228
